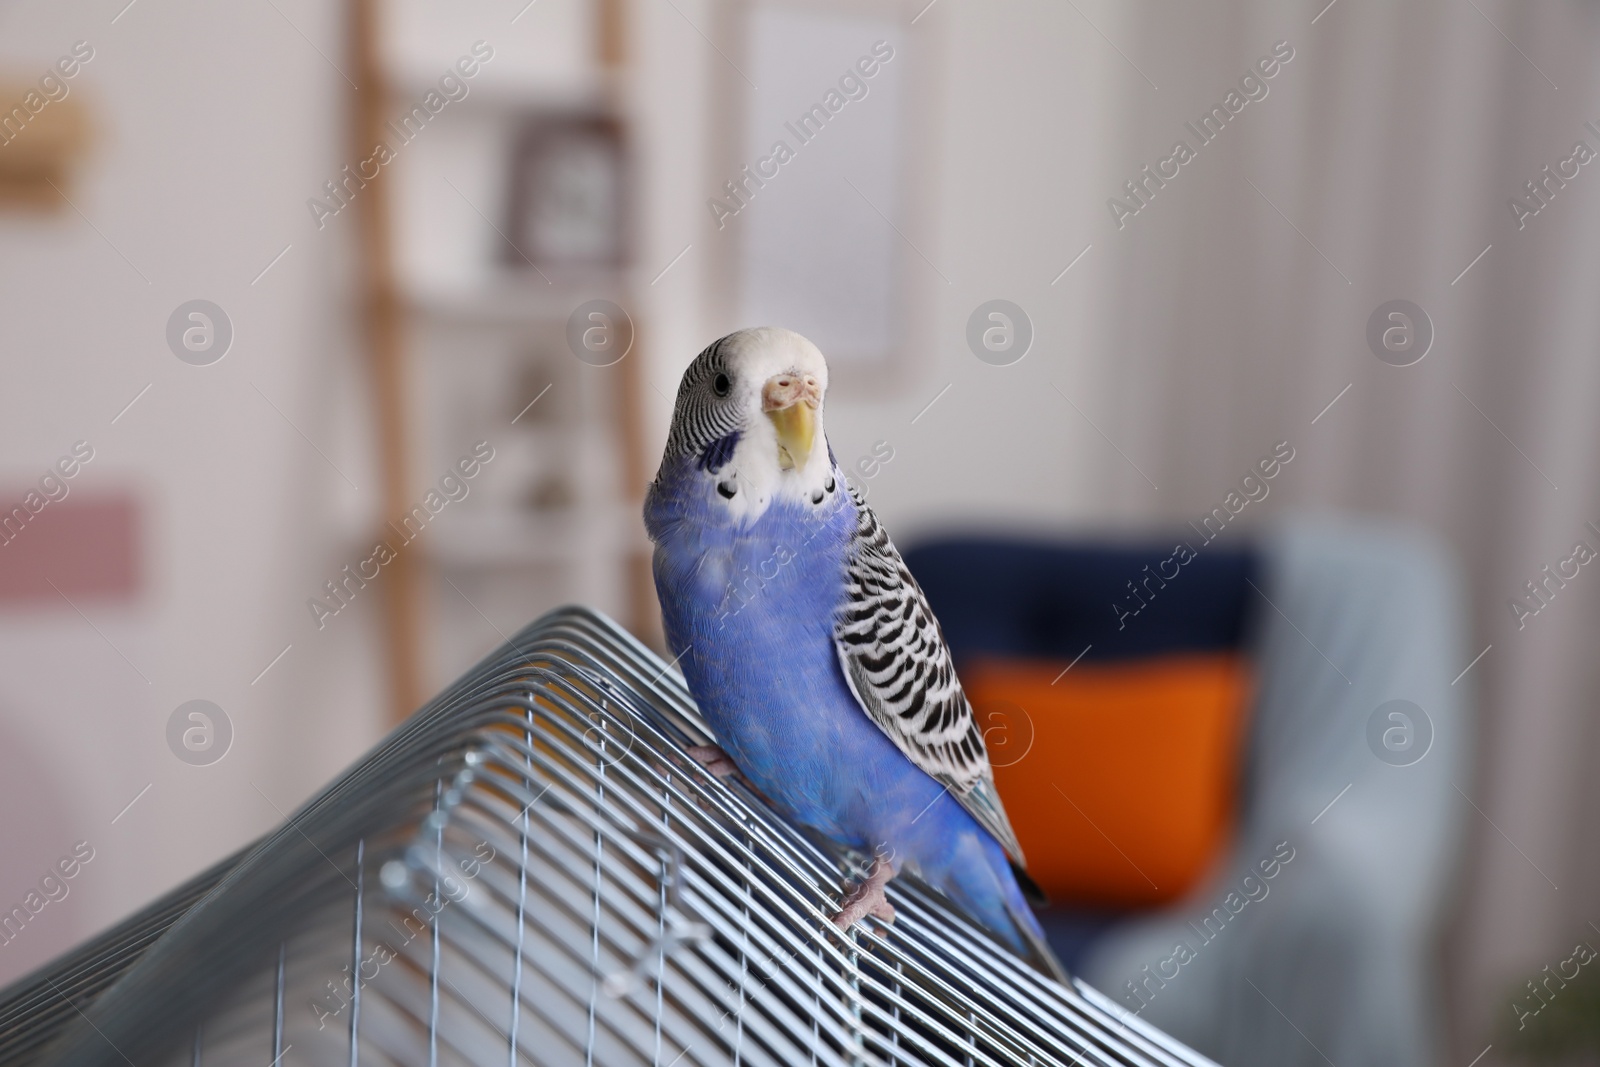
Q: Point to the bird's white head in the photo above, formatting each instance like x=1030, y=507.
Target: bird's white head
x=749, y=417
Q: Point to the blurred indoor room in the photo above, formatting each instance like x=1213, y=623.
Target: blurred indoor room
x=1225, y=375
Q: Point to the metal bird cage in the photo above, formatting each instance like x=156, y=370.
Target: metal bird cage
x=532, y=870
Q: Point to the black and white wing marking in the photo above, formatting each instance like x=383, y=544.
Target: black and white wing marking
x=899, y=668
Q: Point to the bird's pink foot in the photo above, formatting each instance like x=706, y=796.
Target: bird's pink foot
x=713, y=759
x=867, y=898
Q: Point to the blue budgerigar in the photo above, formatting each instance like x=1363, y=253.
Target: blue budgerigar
x=811, y=651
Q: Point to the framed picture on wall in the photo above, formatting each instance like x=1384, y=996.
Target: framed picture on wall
x=567, y=207
x=823, y=179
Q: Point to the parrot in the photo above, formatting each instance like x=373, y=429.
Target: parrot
x=810, y=649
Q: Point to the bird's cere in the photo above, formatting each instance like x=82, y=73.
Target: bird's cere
x=786, y=390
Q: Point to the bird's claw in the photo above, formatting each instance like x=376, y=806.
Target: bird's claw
x=713, y=759
x=867, y=898
x=720, y=765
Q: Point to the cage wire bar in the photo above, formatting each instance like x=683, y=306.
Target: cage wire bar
x=532, y=870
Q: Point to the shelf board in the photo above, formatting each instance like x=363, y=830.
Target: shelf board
x=508, y=302
x=514, y=95
x=492, y=539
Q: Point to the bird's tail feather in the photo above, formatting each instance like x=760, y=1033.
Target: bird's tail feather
x=1030, y=889
x=1036, y=949
x=1039, y=952
x=982, y=880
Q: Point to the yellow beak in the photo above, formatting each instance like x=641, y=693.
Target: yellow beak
x=797, y=427
x=790, y=400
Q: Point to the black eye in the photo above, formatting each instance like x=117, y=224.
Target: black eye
x=721, y=385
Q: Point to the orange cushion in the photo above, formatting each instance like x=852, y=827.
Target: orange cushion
x=1119, y=778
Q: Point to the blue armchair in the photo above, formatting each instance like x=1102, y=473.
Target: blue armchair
x=1358, y=733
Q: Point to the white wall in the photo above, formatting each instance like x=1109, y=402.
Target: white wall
x=1017, y=159
x=212, y=124
x=1012, y=205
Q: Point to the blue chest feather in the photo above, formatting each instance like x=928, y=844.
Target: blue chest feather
x=749, y=608
x=754, y=605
